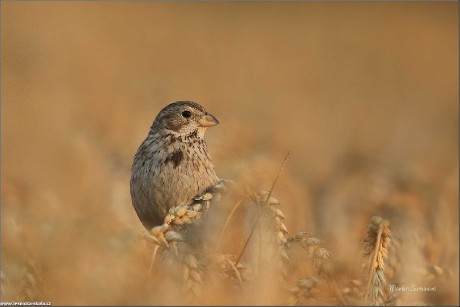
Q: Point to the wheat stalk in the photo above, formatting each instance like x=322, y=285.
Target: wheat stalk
x=264, y=202
x=376, y=249
x=235, y=272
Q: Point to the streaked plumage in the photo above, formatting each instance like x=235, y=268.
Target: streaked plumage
x=172, y=165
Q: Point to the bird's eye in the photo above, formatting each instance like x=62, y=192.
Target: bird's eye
x=186, y=114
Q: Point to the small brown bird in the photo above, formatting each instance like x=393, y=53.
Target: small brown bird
x=172, y=165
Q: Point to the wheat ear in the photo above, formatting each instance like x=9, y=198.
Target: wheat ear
x=376, y=249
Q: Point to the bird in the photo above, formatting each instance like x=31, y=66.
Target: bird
x=172, y=165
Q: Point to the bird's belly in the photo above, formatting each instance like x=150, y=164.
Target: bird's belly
x=179, y=185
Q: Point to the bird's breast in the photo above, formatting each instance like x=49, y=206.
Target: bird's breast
x=175, y=171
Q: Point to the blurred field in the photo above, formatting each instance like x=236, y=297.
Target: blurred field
x=363, y=95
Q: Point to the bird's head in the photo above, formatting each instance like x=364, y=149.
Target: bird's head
x=184, y=118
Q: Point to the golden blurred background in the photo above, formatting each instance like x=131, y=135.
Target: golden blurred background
x=363, y=95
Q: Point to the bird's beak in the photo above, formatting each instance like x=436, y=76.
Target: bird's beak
x=207, y=120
